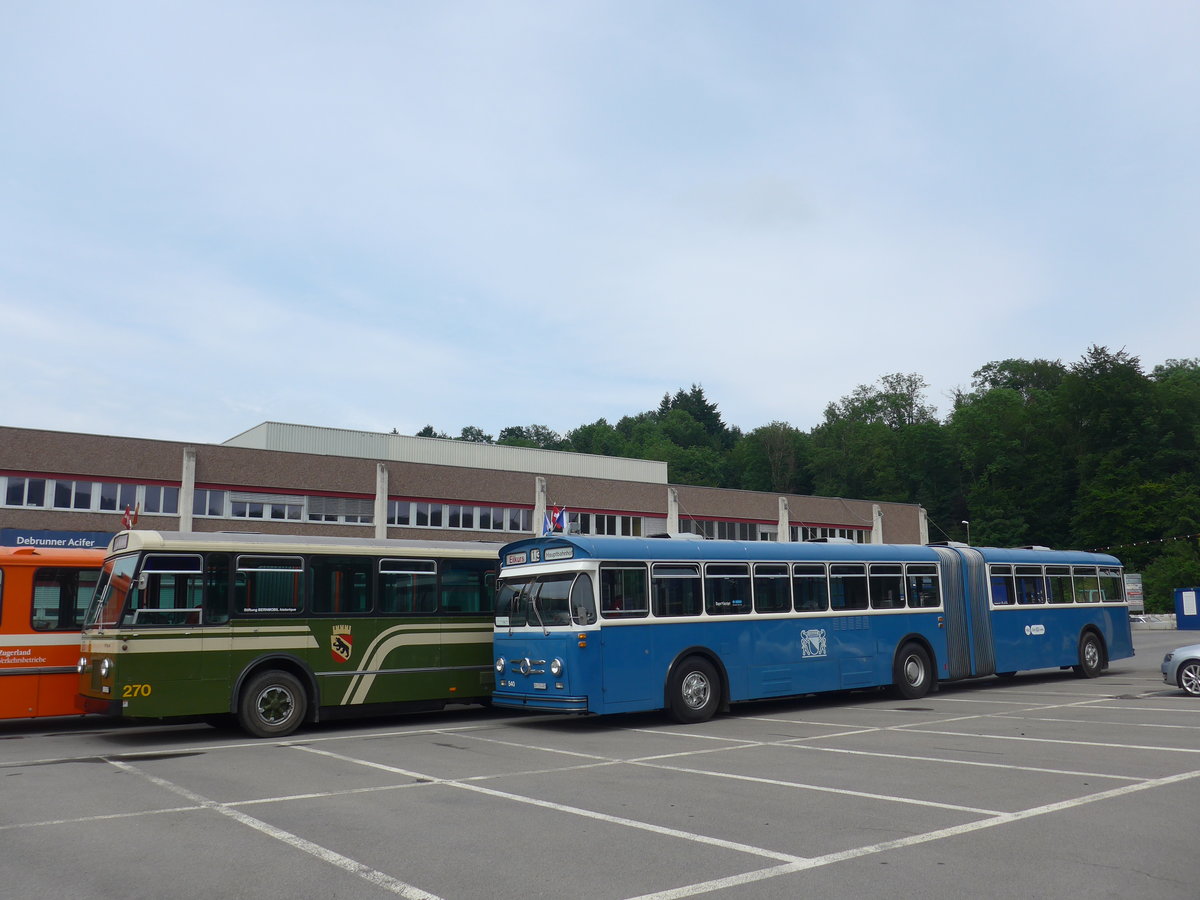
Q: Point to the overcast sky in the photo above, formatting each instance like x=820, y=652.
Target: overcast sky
x=379, y=215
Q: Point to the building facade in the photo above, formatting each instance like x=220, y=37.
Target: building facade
x=59, y=488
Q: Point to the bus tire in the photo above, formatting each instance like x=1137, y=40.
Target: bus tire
x=694, y=691
x=1091, y=656
x=272, y=704
x=911, y=672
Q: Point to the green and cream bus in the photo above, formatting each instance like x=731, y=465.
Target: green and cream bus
x=275, y=630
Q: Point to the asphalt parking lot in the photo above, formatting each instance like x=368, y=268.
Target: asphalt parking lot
x=1047, y=786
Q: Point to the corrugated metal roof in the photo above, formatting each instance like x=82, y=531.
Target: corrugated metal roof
x=441, y=452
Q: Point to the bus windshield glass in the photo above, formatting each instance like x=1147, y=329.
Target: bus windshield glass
x=109, y=599
x=562, y=598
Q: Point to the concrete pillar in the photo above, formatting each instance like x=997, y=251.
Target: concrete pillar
x=672, y=511
x=381, y=500
x=539, y=504
x=785, y=521
x=876, y=524
x=187, y=489
x=924, y=525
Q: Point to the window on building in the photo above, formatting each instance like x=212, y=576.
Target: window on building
x=163, y=499
x=25, y=492
x=116, y=496
x=205, y=502
x=72, y=494
x=399, y=512
x=350, y=510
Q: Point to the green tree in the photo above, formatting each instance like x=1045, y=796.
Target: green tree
x=474, y=435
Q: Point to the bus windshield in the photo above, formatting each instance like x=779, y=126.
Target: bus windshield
x=111, y=591
x=562, y=598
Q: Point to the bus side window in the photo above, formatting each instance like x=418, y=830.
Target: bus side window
x=772, y=588
x=269, y=584
x=1058, y=583
x=886, y=584
x=810, y=587
x=467, y=586
x=1004, y=592
x=677, y=589
x=407, y=586
x=924, y=589
x=848, y=586
x=216, y=588
x=583, y=600
x=623, y=591
x=341, y=584
x=61, y=597
x=1031, y=588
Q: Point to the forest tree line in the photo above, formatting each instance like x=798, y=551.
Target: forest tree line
x=1095, y=455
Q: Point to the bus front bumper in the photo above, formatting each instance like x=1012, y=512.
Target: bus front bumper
x=539, y=702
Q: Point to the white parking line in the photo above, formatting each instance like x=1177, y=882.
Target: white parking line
x=375, y=877
x=705, y=887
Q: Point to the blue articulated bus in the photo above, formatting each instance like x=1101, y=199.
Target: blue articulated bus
x=608, y=624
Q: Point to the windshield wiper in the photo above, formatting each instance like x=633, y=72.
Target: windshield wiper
x=533, y=604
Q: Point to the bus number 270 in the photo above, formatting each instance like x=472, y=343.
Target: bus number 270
x=135, y=690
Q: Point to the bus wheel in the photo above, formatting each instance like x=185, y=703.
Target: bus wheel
x=911, y=672
x=272, y=705
x=1091, y=656
x=694, y=692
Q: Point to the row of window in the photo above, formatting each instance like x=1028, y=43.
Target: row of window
x=1035, y=585
x=105, y=496
x=634, y=590
x=90, y=496
x=193, y=589
x=60, y=597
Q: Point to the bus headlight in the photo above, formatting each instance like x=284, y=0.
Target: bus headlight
x=81, y=666
x=105, y=667
x=556, y=667
x=500, y=664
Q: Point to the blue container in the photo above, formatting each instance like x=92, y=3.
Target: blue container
x=1187, y=609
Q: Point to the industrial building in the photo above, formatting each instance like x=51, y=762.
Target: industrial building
x=70, y=489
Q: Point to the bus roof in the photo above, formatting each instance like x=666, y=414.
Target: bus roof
x=50, y=556
x=239, y=542
x=631, y=548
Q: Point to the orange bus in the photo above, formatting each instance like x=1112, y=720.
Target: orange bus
x=44, y=593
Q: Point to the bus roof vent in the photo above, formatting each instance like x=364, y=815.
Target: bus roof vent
x=678, y=536
x=1034, y=547
x=830, y=540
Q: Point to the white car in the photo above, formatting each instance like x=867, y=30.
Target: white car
x=1181, y=668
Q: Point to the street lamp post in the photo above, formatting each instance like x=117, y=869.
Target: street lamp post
x=968, y=524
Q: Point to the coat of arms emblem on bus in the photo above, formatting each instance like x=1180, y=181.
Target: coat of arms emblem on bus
x=341, y=644
x=812, y=642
